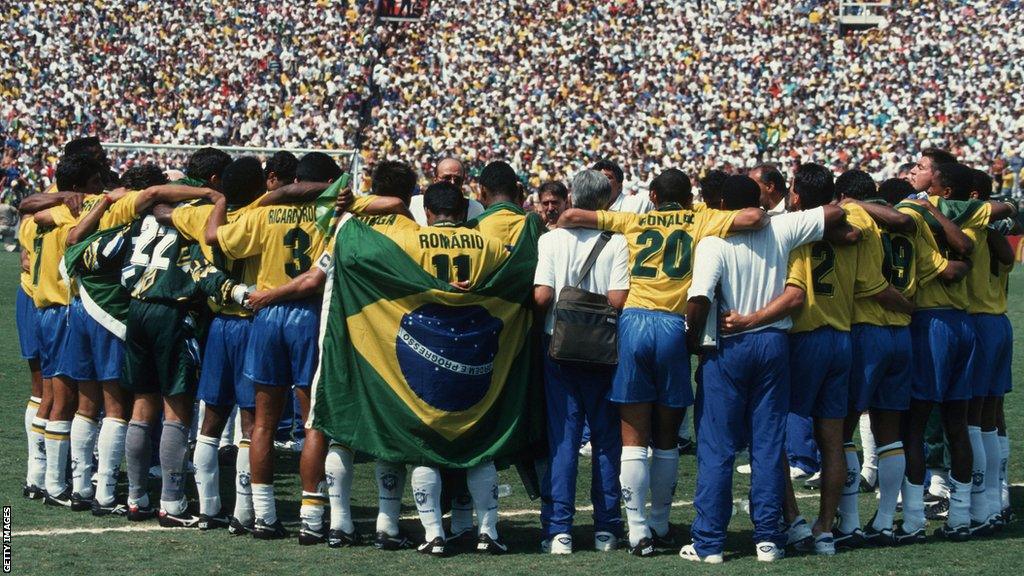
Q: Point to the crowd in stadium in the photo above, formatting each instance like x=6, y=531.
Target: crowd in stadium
x=551, y=85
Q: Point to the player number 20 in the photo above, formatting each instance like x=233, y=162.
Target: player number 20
x=675, y=259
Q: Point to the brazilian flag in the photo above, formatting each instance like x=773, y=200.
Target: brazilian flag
x=413, y=370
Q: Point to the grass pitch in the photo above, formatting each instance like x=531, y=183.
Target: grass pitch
x=49, y=541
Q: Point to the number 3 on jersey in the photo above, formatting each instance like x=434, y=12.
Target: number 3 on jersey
x=298, y=241
x=675, y=259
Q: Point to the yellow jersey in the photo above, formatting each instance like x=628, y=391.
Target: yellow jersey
x=954, y=294
x=190, y=221
x=661, y=246
x=286, y=238
x=452, y=253
x=50, y=244
x=504, y=221
x=911, y=260
x=26, y=239
x=833, y=277
x=988, y=280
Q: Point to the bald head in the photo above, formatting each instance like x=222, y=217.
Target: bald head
x=450, y=170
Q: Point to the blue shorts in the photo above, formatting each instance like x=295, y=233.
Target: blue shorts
x=654, y=365
x=283, y=344
x=222, y=381
x=26, y=315
x=91, y=352
x=819, y=365
x=943, y=342
x=882, y=368
x=52, y=334
x=990, y=369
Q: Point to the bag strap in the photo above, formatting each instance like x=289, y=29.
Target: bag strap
x=602, y=241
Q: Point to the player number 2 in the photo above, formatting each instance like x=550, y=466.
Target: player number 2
x=443, y=267
x=298, y=241
x=823, y=253
x=675, y=260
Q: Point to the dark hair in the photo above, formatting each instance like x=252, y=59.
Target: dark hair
x=143, y=176
x=958, y=178
x=770, y=175
x=895, y=190
x=555, y=188
x=711, y=187
x=317, y=167
x=444, y=199
x=938, y=156
x=606, y=164
x=76, y=170
x=856, y=184
x=243, y=180
x=83, y=145
x=905, y=167
x=739, y=192
x=500, y=180
x=814, y=185
x=282, y=164
x=206, y=163
x=673, y=185
x=393, y=179
x=981, y=183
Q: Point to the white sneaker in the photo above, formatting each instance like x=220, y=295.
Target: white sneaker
x=797, y=473
x=689, y=553
x=769, y=552
x=605, y=541
x=825, y=545
x=560, y=544
x=586, y=450
x=743, y=469
x=799, y=532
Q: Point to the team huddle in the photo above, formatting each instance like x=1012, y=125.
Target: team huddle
x=146, y=292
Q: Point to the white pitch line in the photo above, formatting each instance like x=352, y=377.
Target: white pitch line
x=150, y=528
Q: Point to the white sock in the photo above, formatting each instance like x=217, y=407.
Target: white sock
x=227, y=436
x=482, y=481
x=938, y=484
x=111, y=452
x=244, y=512
x=959, y=503
x=892, y=465
x=390, y=487
x=426, y=490
x=913, y=506
x=979, y=499
x=84, y=431
x=339, y=470
x=58, y=444
x=174, y=507
x=635, y=481
x=31, y=408
x=312, y=510
x=664, y=471
x=849, y=514
x=1004, y=478
x=205, y=460
x=37, y=453
x=263, y=503
x=990, y=438
x=869, y=469
x=462, y=513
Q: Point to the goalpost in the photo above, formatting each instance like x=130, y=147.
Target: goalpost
x=349, y=159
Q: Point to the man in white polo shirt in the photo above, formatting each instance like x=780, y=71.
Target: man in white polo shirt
x=452, y=171
x=620, y=202
x=744, y=395
x=577, y=394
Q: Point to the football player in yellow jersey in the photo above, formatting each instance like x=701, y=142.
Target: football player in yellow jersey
x=501, y=193
x=652, y=381
x=27, y=320
x=454, y=254
x=386, y=211
x=943, y=345
x=990, y=368
x=282, y=347
x=832, y=276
